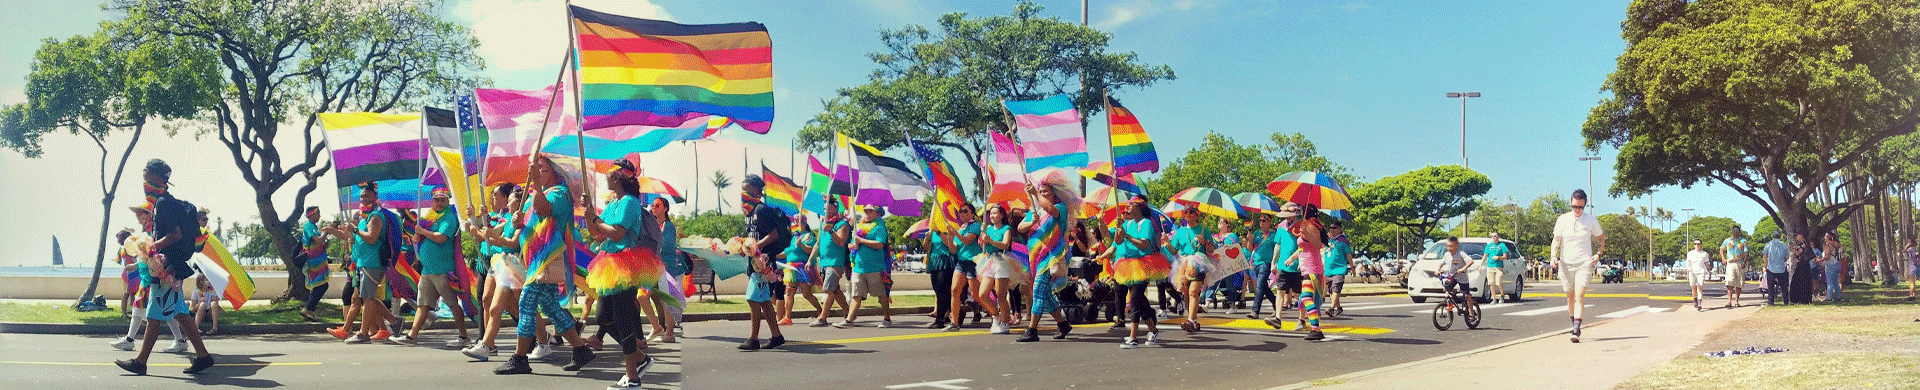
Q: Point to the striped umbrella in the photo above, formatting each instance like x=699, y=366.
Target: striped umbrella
x=650, y=185
x=1257, y=202
x=1313, y=188
x=1209, y=201
x=1104, y=196
x=1102, y=172
x=919, y=229
x=1341, y=214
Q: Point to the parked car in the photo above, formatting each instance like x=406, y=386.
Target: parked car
x=1422, y=284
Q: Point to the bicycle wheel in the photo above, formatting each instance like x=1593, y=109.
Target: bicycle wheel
x=1473, y=316
x=1442, y=316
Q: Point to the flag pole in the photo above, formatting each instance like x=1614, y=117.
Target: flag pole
x=580, y=140
x=1113, y=184
x=557, y=80
x=1026, y=177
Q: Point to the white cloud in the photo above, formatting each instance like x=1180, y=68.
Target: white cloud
x=11, y=96
x=1136, y=10
x=523, y=34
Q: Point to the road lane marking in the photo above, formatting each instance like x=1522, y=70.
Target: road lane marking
x=945, y=384
x=1262, y=324
x=1390, y=306
x=1658, y=309
x=1483, y=308
x=891, y=338
x=163, y=364
x=1535, y=312
x=1627, y=312
x=1647, y=296
x=1323, y=329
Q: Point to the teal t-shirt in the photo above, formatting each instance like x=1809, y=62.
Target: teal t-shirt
x=1285, y=247
x=795, y=253
x=868, y=259
x=1494, y=251
x=487, y=250
x=1263, y=250
x=1186, y=240
x=968, y=251
x=436, y=258
x=939, y=258
x=670, y=249
x=625, y=213
x=831, y=255
x=1337, y=257
x=366, y=254
x=998, y=234
x=1141, y=229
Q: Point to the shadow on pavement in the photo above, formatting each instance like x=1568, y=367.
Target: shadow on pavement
x=1375, y=316
x=1613, y=339
x=228, y=370
x=1401, y=341
x=794, y=346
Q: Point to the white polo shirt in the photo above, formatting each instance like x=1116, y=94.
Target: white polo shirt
x=1576, y=237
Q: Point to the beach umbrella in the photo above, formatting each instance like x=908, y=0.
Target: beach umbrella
x=919, y=229
x=1209, y=201
x=657, y=187
x=1306, y=187
x=1104, y=196
x=1257, y=202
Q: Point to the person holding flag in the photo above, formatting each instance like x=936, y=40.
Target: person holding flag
x=173, y=236
x=1139, y=263
x=439, y=238
x=1046, y=227
x=628, y=261
x=546, y=226
x=831, y=256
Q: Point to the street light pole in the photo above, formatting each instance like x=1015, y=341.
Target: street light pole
x=1466, y=220
x=1590, y=161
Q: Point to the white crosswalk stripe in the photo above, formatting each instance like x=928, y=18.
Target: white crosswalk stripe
x=1535, y=312
x=1627, y=312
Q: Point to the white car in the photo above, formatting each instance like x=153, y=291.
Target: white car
x=1422, y=282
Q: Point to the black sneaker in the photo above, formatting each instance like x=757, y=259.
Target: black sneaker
x=581, y=356
x=776, y=342
x=199, y=364
x=137, y=368
x=1028, y=335
x=1065, y=328
x=749, y=345
x=1315, y=336
x=514, y=366
x=937, y=324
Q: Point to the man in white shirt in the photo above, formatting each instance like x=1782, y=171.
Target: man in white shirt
x=1697, y=271
x=1577, y=242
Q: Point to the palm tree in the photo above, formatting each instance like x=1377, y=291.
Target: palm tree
x=720, y=183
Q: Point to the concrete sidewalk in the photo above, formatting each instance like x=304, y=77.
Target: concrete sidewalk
x=1608, y=353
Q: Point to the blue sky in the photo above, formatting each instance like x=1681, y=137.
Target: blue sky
x=1364, y=80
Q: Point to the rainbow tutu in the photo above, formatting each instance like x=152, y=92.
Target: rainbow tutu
x=626, y=270
x=1146, y=269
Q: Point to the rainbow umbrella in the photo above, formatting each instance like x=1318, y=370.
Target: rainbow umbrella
x=1313, y=188
x=1102, y=172
x=1104, y=196
x=1341, y=214
x=919, y=229
x=1209, y=201
x=1257, y=202
x=650, y=185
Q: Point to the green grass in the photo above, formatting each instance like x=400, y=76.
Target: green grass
x=279, y=313
x=1858, y=344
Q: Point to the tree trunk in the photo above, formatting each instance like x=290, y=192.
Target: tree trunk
x=100, y=253
x=109, y=190
x=283, y=241
x=1799, y=287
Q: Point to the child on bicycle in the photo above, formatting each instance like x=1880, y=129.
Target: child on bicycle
x=1451, y=272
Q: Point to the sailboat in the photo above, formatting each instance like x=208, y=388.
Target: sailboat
x=57, y=260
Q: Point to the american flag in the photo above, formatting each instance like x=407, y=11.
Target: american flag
x=946, y=187
x=473, y=133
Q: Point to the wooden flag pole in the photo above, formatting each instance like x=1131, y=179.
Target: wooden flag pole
x=557, y=80
x=573, y=41
x=1113, y=179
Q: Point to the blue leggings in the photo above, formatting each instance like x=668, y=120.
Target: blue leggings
x=545, y=299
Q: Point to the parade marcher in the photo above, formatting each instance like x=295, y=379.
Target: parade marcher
x=870, y=265
x=1138, y=263
x=1339, y=257
x=546, y=227
x=1497, y=254
x=940, y=263
x=1287, y=273
x=313, y=247
x=668, y=321
x=137, y=324
x=1734, y=251
x=996, y=269
x=505, y=273
x=1312, y=239
x=174, y=231
x=1231, y=286
x=965, y=245
x=1191, y=243
x=439, y=238
x=1047, y=242
x=796, y=274
x=836, y=235
x=627, y=262
x=1577, y=244
x=769, y=236
x=371, y=251
x=1697, y=259
x=1260, y=267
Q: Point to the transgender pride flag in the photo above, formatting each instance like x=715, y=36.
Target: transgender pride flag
x=1050, y=135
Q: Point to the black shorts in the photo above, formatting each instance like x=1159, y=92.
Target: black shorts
x=778, y=288
x=1290, y=282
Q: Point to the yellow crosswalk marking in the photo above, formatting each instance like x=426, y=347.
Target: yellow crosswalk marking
x=163, y=364
x=1260, y=324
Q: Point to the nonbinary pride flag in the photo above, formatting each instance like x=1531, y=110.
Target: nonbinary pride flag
x=1050, y=133
x=640, y=72
x=375, y=147
x=886, y=182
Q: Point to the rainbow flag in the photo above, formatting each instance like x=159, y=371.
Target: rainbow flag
x=1008, y=185
x=1132, y=150
x=781, y=192
x=947, y=196
x=223, y=271
x=514, y=120
x=819, y=180
x=388, y=149
x=640, y=72
x=1050, y=133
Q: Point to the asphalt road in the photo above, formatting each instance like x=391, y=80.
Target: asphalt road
x=1229, y=353
x=304, y=361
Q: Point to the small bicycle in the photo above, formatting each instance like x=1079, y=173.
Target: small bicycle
x=1457, y=303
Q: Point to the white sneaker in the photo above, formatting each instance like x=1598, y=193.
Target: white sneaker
x=177, y=347
x=951, y=328
x=1153, y=339
x=124, y=344
x=401, y=339
x=1128, y=343
x=1299, y=326
x=998, y=327
x=479, y=351
x=357, y=339
x=1231, y=312
x=540, y=352
x=886, y=323
x=843, y=324
x=624, y=383
x=818, y=322
x=460, y=343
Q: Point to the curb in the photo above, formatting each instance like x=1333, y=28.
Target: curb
x=1436, y=359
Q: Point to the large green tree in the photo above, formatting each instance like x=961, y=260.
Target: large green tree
x=1626, y=238
x=1421, y=199
x=1771, y=98
x=281, y=62
x=943, y=85
x=107, y=86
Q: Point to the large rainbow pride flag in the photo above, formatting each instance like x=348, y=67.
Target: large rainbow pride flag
x=1132, y=150
x=640, y=74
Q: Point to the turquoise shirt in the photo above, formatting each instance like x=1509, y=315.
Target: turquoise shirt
x=624, y=213
x=1186, y=240
x=670, y=248
x=937, y=256
x=830, y=255
x=795, y=253
x=1263, y=250
x=868, y=259
x=1286, y=246
x=968, y=251
x=436, y=258
x=1337, y=256
x=1139, y=228
x=1495, y=250
x=997, y=234
x=366, y=254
